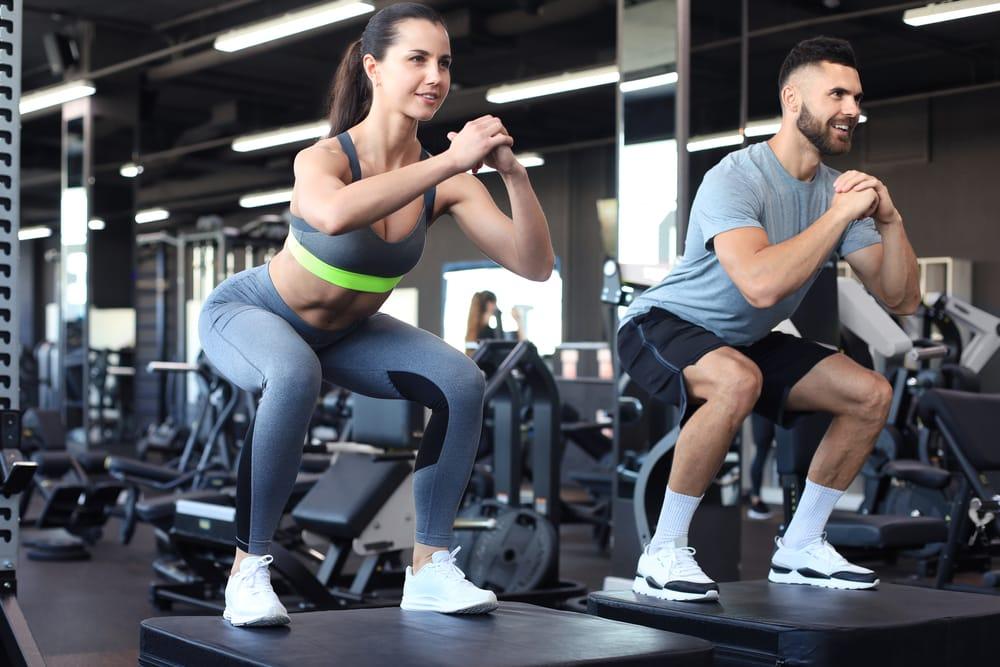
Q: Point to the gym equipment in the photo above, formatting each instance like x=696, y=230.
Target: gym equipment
x=513, y=553
x=964, y=423
x=515, y=635
x=587, y=406
x=174, y=274
x=17, y=645
x=980, y=339
x=362, y=504
x=522, y=396
x=78, y=495
x=215, y=459
x=758, y=623
x=110, y=402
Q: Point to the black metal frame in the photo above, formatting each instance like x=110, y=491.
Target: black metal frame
x=503, y=393
x=970, y=485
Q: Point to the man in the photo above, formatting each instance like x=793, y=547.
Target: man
x=763, y=223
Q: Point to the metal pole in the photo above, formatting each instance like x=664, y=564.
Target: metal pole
x=744, y=66
x=682, y=106
x=17, y=645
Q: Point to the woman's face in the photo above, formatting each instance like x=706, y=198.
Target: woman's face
x=488, y=310
x=414, y=76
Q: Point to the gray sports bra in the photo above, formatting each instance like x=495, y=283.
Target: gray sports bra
x=360, y=259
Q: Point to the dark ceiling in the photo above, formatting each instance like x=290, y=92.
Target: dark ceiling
x=178, y=111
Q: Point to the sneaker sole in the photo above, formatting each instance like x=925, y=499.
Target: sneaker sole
x=433, y=604
x=256, y=621
x=759, y=516
x=794, y=577
x=642, y=588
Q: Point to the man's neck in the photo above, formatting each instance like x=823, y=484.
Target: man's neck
x=795, y=153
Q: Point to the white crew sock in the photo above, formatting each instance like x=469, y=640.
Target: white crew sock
x=675, y=518
x=811, y=515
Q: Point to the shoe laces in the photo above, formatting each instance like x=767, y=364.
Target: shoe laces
x=258, y=578
x=681, y=560
x=824, y=550
x=448, y=567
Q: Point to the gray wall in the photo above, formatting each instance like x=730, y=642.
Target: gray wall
x=568, y=186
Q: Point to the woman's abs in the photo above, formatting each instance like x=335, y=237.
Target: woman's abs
x=317, y=302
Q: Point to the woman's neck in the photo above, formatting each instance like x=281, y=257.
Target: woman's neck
x=388, y=141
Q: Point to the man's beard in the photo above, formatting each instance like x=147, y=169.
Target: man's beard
x=819, y=134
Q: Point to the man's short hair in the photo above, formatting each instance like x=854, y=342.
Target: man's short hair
x=816, y=50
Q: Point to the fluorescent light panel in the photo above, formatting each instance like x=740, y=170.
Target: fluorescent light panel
x=44, y=98
x=949, y=11
x=707, y=141
x=151, y=215
x=658, y=81
x=552, y=85
x=96, y=224
x=284, y=135
x=130, y=170
x=763, y=128
x=30, y=233
x=290, y=24
x=526, y=159
x=255, y=199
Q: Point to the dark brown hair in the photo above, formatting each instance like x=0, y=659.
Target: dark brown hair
x=350, y=96
x=816, y=50
x=476, y=310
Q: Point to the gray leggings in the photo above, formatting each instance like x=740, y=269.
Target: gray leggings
x=258, y=342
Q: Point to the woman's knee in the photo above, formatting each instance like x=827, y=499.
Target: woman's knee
x=298, y=376
x=467, y=380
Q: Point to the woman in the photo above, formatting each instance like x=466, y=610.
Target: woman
x=311, y=313
x=481, y=309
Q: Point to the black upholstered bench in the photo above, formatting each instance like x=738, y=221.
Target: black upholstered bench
x=515, y=635
x=757, y=623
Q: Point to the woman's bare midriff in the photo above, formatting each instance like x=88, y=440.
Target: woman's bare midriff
x=316, y=301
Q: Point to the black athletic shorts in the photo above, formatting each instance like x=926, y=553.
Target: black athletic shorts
x=655, y=347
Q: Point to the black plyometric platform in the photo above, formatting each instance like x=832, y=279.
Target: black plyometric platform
x=514, y=635
x=759, y=623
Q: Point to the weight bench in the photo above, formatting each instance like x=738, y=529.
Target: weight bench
x=516, y=635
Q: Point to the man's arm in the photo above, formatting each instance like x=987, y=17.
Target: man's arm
x=764, y=273
x=889, y=271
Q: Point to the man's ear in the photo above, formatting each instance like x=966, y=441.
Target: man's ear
x=791, y=97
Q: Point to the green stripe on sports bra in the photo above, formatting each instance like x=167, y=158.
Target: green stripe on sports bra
x=331, y=274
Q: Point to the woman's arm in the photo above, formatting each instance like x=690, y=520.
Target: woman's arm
x=330, y=205
x=521, y=242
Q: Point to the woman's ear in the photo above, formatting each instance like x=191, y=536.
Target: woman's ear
x=370, y=65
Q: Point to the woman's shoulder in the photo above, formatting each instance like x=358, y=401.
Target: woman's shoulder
x=326, y=155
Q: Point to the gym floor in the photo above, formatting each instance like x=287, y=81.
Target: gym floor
x=88, y=613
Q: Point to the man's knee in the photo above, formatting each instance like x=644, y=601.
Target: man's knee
x=737, y=380
x=877, y=393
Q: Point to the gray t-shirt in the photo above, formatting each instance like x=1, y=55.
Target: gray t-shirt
x=748, y=188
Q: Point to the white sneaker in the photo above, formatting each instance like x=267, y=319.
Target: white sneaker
x=673, y=574
x=818, y=564
x=250, y=600
x=440, y=586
